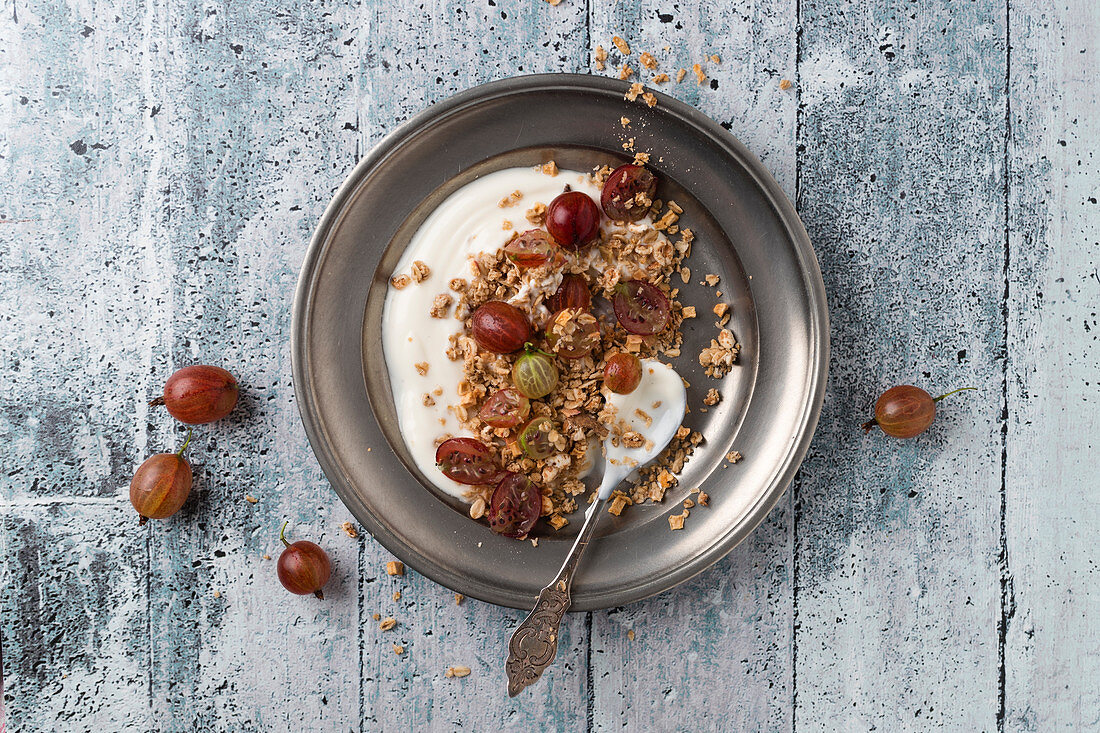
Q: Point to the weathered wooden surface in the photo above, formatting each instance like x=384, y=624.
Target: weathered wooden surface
x=162, y=165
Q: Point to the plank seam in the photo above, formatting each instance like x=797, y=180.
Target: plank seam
x=796, y=484
x=1006, y=593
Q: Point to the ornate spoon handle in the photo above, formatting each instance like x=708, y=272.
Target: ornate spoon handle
x=535, y=642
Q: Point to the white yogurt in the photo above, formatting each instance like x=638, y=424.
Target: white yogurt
x=470, y=221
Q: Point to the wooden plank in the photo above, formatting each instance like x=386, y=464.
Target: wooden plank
x=73, y=612
x=1051, y=608
x=254, y=100
x=731, y=627
x=409, y=60
x=901, y=188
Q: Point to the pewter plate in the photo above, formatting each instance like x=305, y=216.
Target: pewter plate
x=747, y=233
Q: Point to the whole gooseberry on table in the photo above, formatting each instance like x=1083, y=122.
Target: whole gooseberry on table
x=906, y=411
x=622, y=373
x=499, y=327
x=199, y=394
x=573, y=220
x=620, y=196
x=515, y=506
x=161, y=484
x=303, y=567
x=534, y=373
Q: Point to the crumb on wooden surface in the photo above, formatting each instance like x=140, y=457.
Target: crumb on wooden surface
x=648, y=60
x=680, y=75
x=630, y=634
x=784, y=84
x=349, y=530
x=621, y=44
x=398, y=649
x=459, y=671
x=395, y=567
x=600, y=56
x=700, y=75
x=387, y=623
x=459, y=598
x=250, y=498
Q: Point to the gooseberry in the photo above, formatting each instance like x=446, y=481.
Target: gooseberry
x=906, y=411
x=505, y=408
x=303, y=567
x=199, y=394
x=499, y=327
x=161, y=484
x=573, y=220
x=640, y=307
x=534, y=373
x=515, y=506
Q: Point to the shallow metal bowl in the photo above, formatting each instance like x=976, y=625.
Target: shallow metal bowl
x=747, y=233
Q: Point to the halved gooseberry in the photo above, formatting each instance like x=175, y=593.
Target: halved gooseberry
x=467, y=461
x=640, y=307
x=535, y=438
x=530, y=249
x=505, y=408
x=515, y=506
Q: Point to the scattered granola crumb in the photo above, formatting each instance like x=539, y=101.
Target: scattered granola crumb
x=422, y=368
x=506, y=225
x=534, y=542
x=715, y=58
x=420, y=271
x=349, y=530
x=676, y=521
x=650, y=99
x=600, y=56
x=376, y=616
x=400, y=282
x=250, y=498
x=688, y=311
x=626, y=72
x=387, y=623
x=700, y=77
x=784, y=84
x=688, y=503
x=733, y=456
x=398, y=649
x=441, y=306
x=459, y=598
x=632, y=93
x=536, y=214
x=680, y=75
x=550, y=168
x=660, y=78
x=641, y=158
x=395, y=567
x=720, y=309
x=397, y=595
x=629, y=144
x=712, y=398
x=510, y=199
x=457, y=671
x=477, y=508
x=624, y=121
x=217, y=594
x=621, y=44
x=648, y=60
x=619, y=501
x=265, y=556
x=703, y=498
x=711, y=279
x=458, y=284
x=630, y=634
x=557, y=521
x=428, y=400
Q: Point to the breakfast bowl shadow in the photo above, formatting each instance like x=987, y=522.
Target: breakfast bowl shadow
x=746, y=233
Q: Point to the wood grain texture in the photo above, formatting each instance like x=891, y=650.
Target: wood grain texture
x=162, y=166
x=901, y=188
x=730, y=628
x=1052, y=509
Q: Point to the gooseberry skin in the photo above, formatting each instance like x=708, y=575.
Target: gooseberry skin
x=505, y=408
x=624, y=183
x=160, y=486
x=467, y=461
x=532, y=248
x=573, y=220
x=534, y=374
x=534, y=439
x=641, y=308
x=499, y=327
x=199, y=394
x=515, y=506
x=905, y=411
x=572, y=293
x=303, y=567
x=622, y=373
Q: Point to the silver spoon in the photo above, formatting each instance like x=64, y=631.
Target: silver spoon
x=535, y=642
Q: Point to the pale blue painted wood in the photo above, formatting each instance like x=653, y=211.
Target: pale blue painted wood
x=162, y=165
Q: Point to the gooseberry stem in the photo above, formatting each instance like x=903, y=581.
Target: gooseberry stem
x=281, y=537
x=869, y=424
x=158, y=402
x=948, y=394
x=185, y=443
